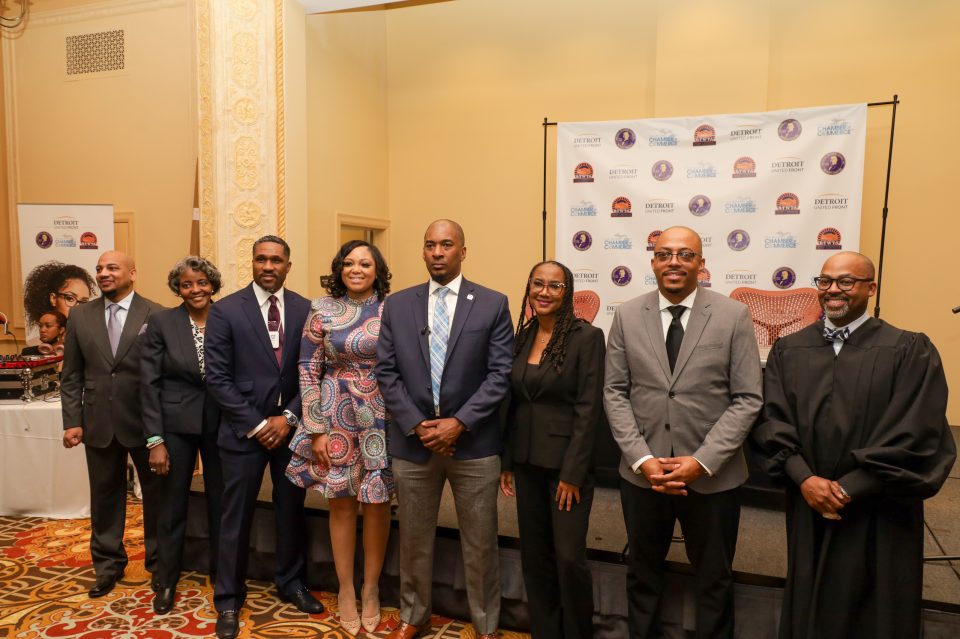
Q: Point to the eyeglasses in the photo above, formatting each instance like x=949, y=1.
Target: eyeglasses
x=686, y=257
x=555, y=288
x=72, y=300
x=843, y=283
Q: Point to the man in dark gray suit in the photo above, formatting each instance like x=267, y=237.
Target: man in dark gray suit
x=100, y=397
x=682, y=390
x=445, y=354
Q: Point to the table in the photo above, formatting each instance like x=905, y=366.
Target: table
x=38, y=476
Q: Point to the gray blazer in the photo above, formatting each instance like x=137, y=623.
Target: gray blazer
x=705, y=408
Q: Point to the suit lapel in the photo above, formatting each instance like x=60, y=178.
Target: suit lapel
x=419, y=311
x=252, y=310
x=653, y=324
x=699, y=315
x=464, y=305
x=184, y=332
x=100, y=327
x=136, y=316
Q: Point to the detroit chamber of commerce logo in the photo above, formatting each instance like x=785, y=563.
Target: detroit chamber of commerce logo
x=828, y=239
x=788, y=204
x=789, y=130
x=703, y=277
x=662, y=171
x=44, y=240
x=836, y=126
x=662, y=137
x=88, y=240
x=621, y=207
x=583, y=209
x=705, y=135
x=652, y=239
x=65, y=241
x=738, y=239
x=745, y=167
x=582, y=240
x=780, y=240
x=699, y=205
x=583, y=173
x=833, y=162
x=701, y=170
x=625, y=138
x=741, y=204
x=619, y=242
x=784, y=277
x=621, y=275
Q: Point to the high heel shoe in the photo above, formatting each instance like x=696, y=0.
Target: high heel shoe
x=351, y=626
x=371, y=622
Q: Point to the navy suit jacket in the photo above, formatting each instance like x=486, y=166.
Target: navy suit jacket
x=242, y=370
x=475, y=375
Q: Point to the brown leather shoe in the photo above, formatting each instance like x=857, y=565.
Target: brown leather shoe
x=405, y=631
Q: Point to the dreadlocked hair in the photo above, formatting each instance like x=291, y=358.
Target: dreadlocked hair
x=566, y=322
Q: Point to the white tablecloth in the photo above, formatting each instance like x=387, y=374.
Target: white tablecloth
x=38, y=476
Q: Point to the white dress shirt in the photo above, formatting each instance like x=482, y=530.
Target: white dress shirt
x=263, y=299
x=852, y=326
x=666, y=317
x=451, y=298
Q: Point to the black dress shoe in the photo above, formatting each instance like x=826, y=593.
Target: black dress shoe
x=163, y=601
x=105, y=584
x=155, y=583
x=304, y=601
x=228, y=624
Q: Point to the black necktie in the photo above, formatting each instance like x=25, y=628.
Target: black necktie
x=674, y=334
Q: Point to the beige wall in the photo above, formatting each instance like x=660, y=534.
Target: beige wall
x=346, y=128
x=468, y=83
x=127, y=138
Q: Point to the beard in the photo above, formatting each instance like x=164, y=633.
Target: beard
x=837, y=313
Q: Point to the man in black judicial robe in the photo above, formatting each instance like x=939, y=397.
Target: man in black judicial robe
x=854, y=422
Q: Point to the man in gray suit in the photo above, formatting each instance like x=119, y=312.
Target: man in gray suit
x=682, y=390
x=100, y=393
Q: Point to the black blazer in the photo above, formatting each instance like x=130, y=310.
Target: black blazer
x=100, y=391
x=551, y=419
x=173, y=394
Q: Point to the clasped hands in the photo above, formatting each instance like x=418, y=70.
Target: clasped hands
x=671, y=475
x=440, y=435
x=825, y=496
x=274, y=432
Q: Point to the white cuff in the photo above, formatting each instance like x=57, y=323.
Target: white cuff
x=256, y=429
x=705, y=469
x=637, y=464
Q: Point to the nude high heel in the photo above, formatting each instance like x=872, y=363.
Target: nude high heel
x=351, y=626
x=371, y=622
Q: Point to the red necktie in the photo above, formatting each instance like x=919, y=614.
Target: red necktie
x=274, y=324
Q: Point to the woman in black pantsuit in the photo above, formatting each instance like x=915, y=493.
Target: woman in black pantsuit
x=553, y=411
x=180, y=418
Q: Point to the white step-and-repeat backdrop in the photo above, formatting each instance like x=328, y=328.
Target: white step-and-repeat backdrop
x=772, y=195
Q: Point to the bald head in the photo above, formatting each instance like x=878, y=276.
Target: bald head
x=683, y=234
x=116, y=273
x=851, y=262
x=451, y=226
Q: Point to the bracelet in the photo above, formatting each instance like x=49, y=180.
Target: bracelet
x=843, y=492
x=154, y=441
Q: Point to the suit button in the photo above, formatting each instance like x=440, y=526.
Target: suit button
x=671, y=394
x=666, y=426
x=113, y=374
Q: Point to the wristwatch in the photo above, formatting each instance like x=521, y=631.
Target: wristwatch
x=292, y=420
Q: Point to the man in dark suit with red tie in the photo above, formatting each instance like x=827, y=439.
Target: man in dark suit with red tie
x=251, y=350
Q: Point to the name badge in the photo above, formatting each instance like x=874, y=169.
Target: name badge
x=275, y=339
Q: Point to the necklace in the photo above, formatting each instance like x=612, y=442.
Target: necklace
x=544, y=340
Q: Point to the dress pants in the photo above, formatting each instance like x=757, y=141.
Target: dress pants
x=553, y=551
x=474, y=483
x=710, y=524
x=107, y=470
x=183, y=449
x=242, y=476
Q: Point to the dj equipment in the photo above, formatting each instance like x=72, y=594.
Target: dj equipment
x=28, y=377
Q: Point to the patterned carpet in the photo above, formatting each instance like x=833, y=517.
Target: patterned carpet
x=45, y=573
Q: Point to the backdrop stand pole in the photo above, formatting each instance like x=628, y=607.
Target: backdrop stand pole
x=543, y=257
x=886, y=199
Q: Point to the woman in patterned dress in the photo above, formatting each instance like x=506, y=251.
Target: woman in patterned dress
x=340, y=447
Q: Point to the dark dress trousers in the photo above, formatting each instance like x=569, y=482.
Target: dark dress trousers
x=178, y=407
x=551, y=422
x=101, y=392
x=248, y=384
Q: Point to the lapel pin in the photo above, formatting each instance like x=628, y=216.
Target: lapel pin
x=470, y=296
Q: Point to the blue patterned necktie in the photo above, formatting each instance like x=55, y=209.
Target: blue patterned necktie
x=837, y=334
x=438, y=343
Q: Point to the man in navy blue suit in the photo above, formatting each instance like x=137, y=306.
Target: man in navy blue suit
x=445, y=353
x=251, y=348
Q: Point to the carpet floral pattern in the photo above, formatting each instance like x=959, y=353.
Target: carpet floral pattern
x=45, y=573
